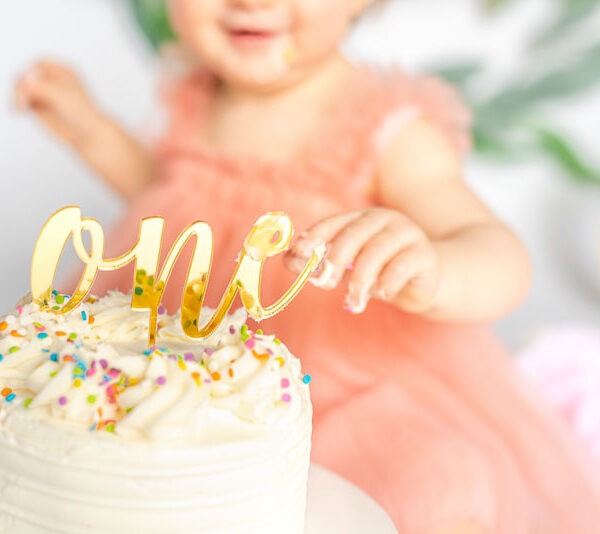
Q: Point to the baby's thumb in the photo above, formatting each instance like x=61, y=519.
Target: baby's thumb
x=294, y=263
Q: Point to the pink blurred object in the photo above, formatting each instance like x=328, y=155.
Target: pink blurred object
x=564, y=362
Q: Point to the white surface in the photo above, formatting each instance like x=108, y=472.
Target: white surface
x=337, y=507
x=558, y=220
x=39, y=175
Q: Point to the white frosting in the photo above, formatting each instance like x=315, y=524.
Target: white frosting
x=99, y=434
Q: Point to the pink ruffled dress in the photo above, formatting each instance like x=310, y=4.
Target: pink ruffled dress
x=430, y=419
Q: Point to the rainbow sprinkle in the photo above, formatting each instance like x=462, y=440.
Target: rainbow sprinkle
x=8, y=394
x=110, y=383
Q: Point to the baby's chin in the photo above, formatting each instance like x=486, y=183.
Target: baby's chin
x=260, y=77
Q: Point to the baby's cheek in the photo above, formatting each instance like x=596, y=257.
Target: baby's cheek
x=192, y=19
x=321, y=25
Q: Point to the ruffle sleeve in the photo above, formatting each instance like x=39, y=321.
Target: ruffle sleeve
x=427, y=97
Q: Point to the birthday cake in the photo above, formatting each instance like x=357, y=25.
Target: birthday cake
x=101, y=433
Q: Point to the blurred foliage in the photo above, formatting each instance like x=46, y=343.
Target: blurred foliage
x=152, y=18
x=510, y=123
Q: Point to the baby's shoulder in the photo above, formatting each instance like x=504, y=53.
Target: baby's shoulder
x=405, y=96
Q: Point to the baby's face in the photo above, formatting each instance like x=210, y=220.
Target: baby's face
x=263, y=43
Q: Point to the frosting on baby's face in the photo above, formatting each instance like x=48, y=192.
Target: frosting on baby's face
x=264, y=44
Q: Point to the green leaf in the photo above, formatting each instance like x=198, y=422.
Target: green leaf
x=562, y=152
x=560, y=81
x=493, y=5
x=582, y=72
x=152, y=17
x=571, y=14
x=458, y=74
x=495, y=144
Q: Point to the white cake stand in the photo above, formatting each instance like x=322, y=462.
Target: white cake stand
x=335, y=506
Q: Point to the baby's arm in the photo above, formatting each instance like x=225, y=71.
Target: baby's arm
x=55, y=94
x=483, y=267
x=432, y=248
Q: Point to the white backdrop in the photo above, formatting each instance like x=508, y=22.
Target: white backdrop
x=559, y=221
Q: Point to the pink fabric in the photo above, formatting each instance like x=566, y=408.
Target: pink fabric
x=430, y=419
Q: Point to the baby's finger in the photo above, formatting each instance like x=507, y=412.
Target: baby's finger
x=325, y=277
x=38, y=92
x=350, y=240
x=25, y=87
x=47, y=84
x=373, y=258
x=409, y=279
x=340, y=255
x=322, y=232
x=296, y=263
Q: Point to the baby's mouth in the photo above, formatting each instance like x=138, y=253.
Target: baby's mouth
x=251, y=37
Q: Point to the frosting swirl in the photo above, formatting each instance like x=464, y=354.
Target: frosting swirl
x=91, y=369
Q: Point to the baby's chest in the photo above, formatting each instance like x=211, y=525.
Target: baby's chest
x=305, y=190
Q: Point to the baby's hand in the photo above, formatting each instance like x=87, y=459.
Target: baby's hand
x=381, y=252
x=57, y=96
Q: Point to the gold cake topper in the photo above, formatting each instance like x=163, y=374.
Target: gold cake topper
x=269, y=236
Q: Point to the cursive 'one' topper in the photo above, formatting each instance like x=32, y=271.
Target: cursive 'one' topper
x=269, y=236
